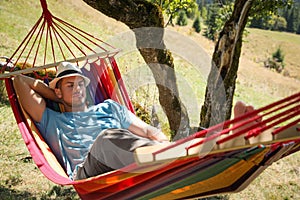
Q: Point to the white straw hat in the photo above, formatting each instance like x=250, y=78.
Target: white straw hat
x=66, y=69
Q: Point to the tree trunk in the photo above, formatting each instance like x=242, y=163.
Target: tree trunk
x=221, y=80
x=139, y=15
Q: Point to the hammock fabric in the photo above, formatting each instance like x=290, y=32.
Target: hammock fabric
x=213, y=161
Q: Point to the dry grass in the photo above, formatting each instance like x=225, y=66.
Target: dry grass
x=20, y=178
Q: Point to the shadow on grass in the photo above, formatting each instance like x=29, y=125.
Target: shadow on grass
x=221, y=197
x=4, y=102
x=57, y=192
x=8, y=193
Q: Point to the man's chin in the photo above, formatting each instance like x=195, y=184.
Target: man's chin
x=78, y=104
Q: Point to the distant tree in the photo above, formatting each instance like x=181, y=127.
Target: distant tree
x=277, y=23
x=291, y=20
x=203, y=13
x=217, y=15
x=258, y=22
x=182, y=19
x=212, y=22
x=192, y=12
x=197, y=24
x=298, y=29
x=273, y=20
x=202, y=8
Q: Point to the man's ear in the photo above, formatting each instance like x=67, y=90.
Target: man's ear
x=58, y=93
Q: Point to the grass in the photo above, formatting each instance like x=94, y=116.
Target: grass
x=20, y=178
x=283, y=40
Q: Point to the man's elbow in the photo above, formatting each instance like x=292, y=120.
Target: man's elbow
x=17, y=81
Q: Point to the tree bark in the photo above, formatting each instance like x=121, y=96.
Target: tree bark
x=222, y=78
x=138, y=15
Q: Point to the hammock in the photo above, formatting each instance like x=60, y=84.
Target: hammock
x=213, y=161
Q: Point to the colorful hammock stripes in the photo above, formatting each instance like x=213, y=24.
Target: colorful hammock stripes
x=223, y=169
x=221, y=159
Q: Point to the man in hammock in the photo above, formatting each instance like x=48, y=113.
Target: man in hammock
x=87, y=141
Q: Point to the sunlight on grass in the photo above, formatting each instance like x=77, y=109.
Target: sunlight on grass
x=21, y=179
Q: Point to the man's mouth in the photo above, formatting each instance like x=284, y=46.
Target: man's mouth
x=78, y=95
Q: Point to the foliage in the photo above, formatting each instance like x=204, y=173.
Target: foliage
x=203, y=13
x=212, y=22
x=274, y=183
x=278, y=55
x=202, y=8
x=277, y=23
x=282, y=15
x=277, y=61
x=197, y=24
x=292, y=17
x=192, y=12
x=141, y=112
x=172, y=7
x=216, y=16
x=268, y=7
x=182, y=19
x=298, y=29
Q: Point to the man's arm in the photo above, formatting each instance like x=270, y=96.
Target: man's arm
x=31, y=93
x=143, y=129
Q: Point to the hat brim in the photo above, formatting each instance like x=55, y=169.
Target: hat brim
x=53, y=83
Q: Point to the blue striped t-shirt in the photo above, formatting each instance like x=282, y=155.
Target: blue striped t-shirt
x=70, y=135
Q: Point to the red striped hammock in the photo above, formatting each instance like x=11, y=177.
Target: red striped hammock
x=195, y=166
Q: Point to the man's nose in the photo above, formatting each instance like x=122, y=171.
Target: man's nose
x=76, y=87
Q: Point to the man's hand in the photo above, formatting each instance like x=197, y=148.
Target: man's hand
x=156, y=134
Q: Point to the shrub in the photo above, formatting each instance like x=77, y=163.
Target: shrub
x=278, y=55
x=197, y=24
x=276, y=62
x=182, y=19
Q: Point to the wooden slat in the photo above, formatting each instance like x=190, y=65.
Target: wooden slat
x=144, y=155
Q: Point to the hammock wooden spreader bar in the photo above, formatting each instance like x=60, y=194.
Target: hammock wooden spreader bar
x=244, y=127
x=51, y=65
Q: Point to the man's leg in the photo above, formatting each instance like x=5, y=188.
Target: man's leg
x=113, y=149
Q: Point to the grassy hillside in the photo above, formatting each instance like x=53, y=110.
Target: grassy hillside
x=20, y=178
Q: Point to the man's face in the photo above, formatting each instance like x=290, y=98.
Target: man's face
x=73, y=91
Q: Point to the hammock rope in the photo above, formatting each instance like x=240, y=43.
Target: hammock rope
x=63, y=40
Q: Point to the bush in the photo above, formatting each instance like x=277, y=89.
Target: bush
x=182, y=19
x=278, y=55
x=197, y=24
x=276, y=62
x=277, y=23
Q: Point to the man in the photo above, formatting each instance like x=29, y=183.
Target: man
x=86, y=141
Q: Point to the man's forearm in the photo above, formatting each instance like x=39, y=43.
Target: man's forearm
x=37, y=85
